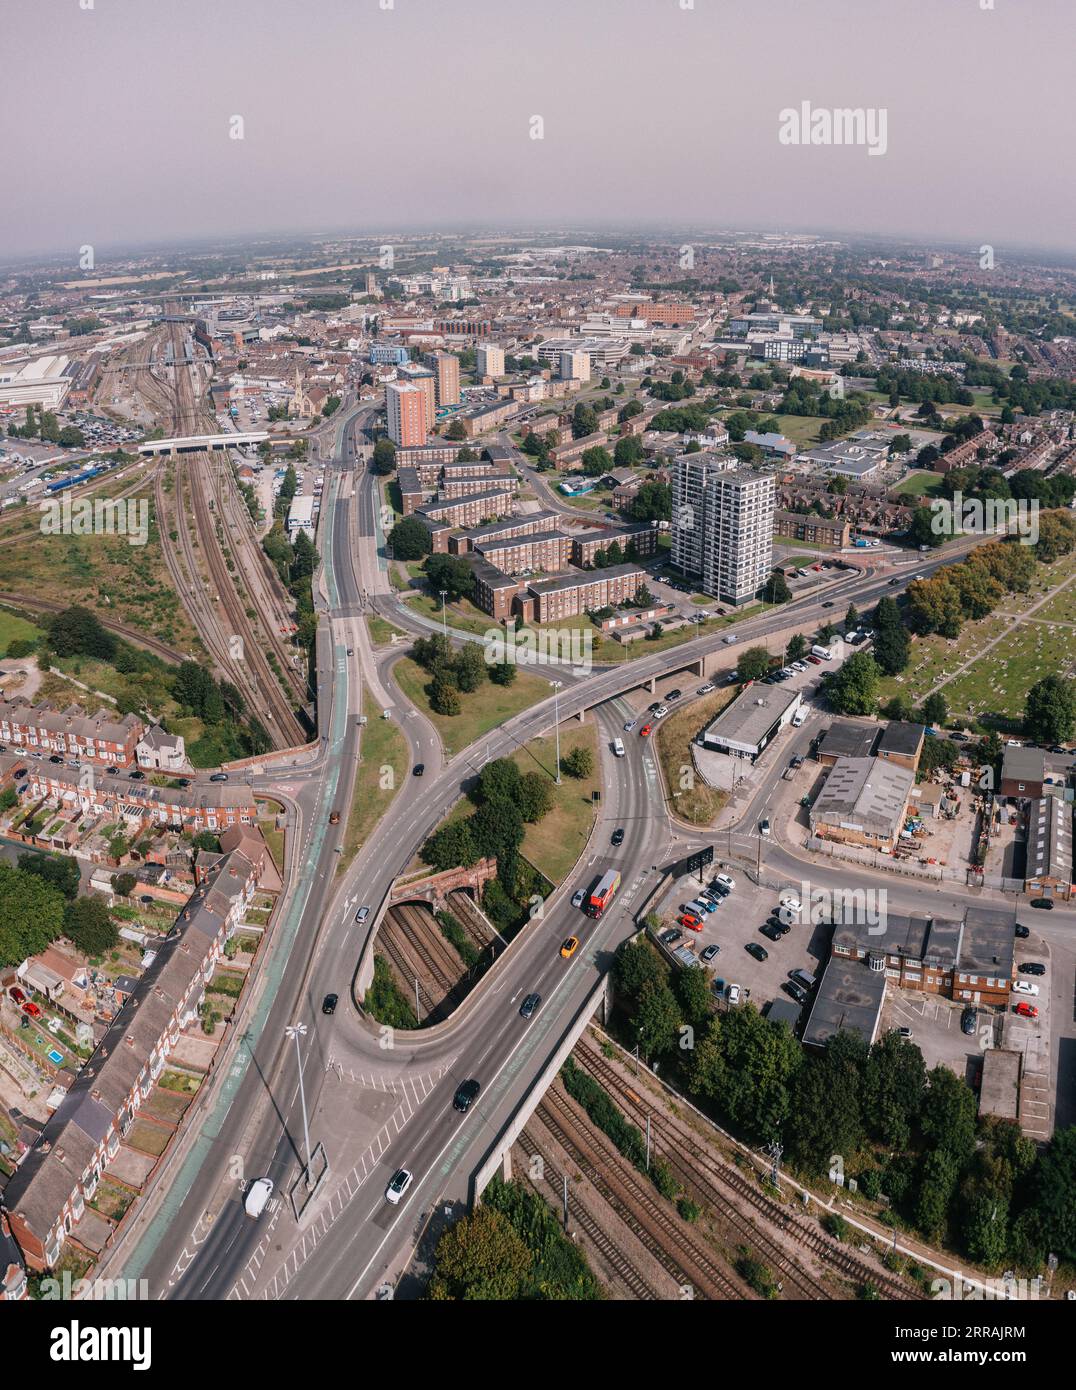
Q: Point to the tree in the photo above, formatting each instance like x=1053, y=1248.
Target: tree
x=935, y=711
x=77, y=632
x=584, y=421
x=409, y=539
x=797, y=647
x=205, y=839
x=854, y=688
x=1057, y=536
x=1050, y=710
x=456, y=431
x=535, y=796
x=657, y=1020
x=595, y=463
x=947, y=1116
x=501, y=777
x=653, y=502
x=753, y=663
x=926, y=528
x=892, y=650
x=58, y=869
x=480, y=1257
x=497, y=828
x=471, y=668
x=88, y=924
x=444, y=697
x=451, y=847
x=1053, y=1186
x=449, y=572
x=693, y=994
x=776, y=589
x=894, y=1084
x=503, y=672
x=383, y=460
x=579, y=763
x=851, y=618
x=31, y=915
x=123, y=885
x=826, y=1116
x=937, y=1183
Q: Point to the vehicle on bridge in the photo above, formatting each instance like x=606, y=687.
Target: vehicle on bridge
x=603, y=894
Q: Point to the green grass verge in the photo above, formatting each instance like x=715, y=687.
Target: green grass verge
x=379, y=776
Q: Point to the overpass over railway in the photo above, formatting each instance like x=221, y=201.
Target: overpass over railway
x=202, y=443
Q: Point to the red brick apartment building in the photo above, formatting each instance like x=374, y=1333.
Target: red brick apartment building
x=46, y=1198
x=671, y=315
x=548, y=600
x=467, y=541
x=542, y=550
x=470, y=511
x=102, y=738
x=813, y=528
x=966, y=452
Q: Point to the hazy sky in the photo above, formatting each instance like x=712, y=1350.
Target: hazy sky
x=116, y=118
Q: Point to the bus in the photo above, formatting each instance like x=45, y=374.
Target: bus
x=604, y=892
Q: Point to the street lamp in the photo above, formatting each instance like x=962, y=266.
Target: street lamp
x=444, y=618
x=297, y=1031
x=556, y=721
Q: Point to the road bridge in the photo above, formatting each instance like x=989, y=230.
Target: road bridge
x=202, y=443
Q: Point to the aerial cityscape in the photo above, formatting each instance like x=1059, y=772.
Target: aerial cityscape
x=537, y=705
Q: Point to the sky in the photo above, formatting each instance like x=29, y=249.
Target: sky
x=388, y=115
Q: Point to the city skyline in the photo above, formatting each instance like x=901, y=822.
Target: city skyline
x=152, y=158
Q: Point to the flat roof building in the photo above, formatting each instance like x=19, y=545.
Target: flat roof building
x=405, y=408
x=744, y=728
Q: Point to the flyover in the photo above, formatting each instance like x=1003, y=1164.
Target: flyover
x=202, y=443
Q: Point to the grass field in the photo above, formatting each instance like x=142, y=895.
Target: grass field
x=555, y=842
x=690, y=798
x=381, y=632
x=920, y=482
x=381, y=772
x=801, y=429
x=13, y=628
x=485, y=708
x=996, y=687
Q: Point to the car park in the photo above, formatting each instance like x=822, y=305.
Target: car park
x=569, y=946
x=328, y=1004
x=530, y=1004
x=709, y=952
x=1032, y=967
x=759, y=952
x=397, y=1188
x=466, y=1093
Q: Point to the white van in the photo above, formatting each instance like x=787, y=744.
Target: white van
x=799, y=717
x=618, y=747
x=823, y=653
x=257, y=1198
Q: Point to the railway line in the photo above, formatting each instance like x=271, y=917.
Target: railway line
x=676, y=1250
x=133, y=635
x=614, y=1255
x=724, y=1185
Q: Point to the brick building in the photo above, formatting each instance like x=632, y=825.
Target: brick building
x=101, y=739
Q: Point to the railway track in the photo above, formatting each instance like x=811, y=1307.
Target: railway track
x=130, y=634
x=615, y=1257
x=428, y=946
x=389, y=946
x=723, y=1182
x=470, y=919
x=608, y=1171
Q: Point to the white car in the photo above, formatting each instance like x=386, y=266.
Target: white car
x=577, y=898
x=726, y=882
x=764, y=826
x=396, y=1189
x=661, y=711
x=705, y=689
x=618, y=747
x=734, y=994
x=799, y=666
x=1024, y=987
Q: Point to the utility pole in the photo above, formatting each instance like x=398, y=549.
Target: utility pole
x=556, y=721
x=296, y=1031
x=418, y=1015
x=444, y=616
x=565, y=1201
x=648, y=1143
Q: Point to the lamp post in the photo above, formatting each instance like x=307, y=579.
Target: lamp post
x=297, y=1031
x=556, y=721
x=444, y=618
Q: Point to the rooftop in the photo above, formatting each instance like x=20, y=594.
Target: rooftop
x=864, y=793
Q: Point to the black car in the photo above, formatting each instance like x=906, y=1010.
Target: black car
x=1022, y=932
x=328, y=1004
x=219, y=777
x=55, y=759
x=770, y=932
x=529, y=1007
x=20, y=772
x=1032, y=967
x=670, y=937
x=829, y=604
x=183, y=782
x=797, y=992
x=137, y=776
x=618, y=835
x=759, y=952
x=112, y=771
x=894, y=581
x=465, y=1094
x=967, y=1021
x=1046, y=904
x=655, y=706
x=418, y=769
x=672, y=695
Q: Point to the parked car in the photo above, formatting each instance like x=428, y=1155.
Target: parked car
x=814, y=660
x=1022, y=932
x=138, y=775
x=1032, y=967
x=219, y=777
x=724, y=883
x=401, y=1181
x=689, y=920
x=1026, y=1010
x=569, y=946
x=671, y=936
x=465, y=1095
x=1047, y=904
x=770, y=931
x=709, y=952
x=759, y=952
x=17, y=995
x=1024, y=987
x=798, y=993
x=967, y=1021
x=31, y=1008
x=328, y=1004
x=529, y=1007
x=734, y=994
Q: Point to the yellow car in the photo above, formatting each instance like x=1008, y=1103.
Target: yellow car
x=569, y=947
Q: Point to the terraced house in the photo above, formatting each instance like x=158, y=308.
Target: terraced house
x=200, y=807
x=47, y=1198
x=102, y=738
